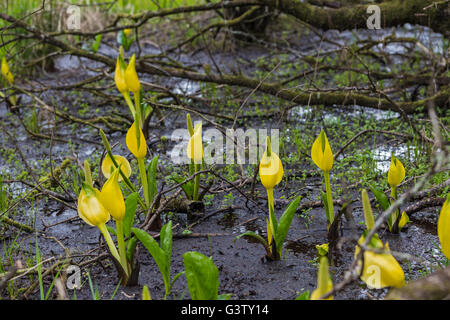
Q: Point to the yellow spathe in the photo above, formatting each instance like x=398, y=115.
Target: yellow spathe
x=119, y=78
x=396, y=172
x=321, y=152
x=108, y=166
x=132, y=142
x=6, y=71
x=380, y=269
x=112, y=198
x=91, y=209
x=195, y=145
x=131, y=76
x=443, y=227
x=270, y=170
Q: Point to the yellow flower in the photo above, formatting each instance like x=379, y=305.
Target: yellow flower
x=404, y=219
x=127, y=32
x=444, y=227
x=270, y=168
x=108, y=166
x=112, y=198
x=396, y=172
x=321, y=152
x=6, y=71
x=380, y=269
x=324, y=283
x=195, y=145
x=90, y=208
x=131, y=76
x=132, y=143
x=119, y=77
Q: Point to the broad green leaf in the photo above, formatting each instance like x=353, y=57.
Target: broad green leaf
x=151, y=173
x=157, y=253
x=303, y=296
x=130, y=212
x=285, y=222
x=131, y=248
x=381, y=197
x=202, y=276
x=188, y=187
x=165, y=237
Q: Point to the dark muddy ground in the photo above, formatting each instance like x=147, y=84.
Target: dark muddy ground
x=243, y=273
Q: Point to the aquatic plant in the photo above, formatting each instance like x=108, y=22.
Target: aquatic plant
x=443, y=227
x=379, y=268
x=161, y=254
x=271, y=173
x=324, y=282
x=322, y=156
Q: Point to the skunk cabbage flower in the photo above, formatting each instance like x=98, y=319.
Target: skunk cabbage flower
x=108, y=166
x=139, y=150
x=396, y=172
x=444, y=228
x=6, y=71
x=270, y=168
x=321, y=152
x=112, y=198
x=380, y=269
x=131, y=76
x=195, y=145
x=404, y=219
x=119, y=77
x=127, y=32
x=324, y=283
x=90, y=207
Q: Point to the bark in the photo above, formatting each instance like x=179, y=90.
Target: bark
x=300, y=10
x=393, y=13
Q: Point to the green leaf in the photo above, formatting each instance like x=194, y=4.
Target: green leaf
x=131, y=248
x=130, y=212
x=202, y=276
x=285, y=222
x=188, y=187
x=303, y=296
x=179, y=274
x=151, y=173
x=165, y=237
x=253, y=235
x=381, y=197
x=96, y=44
x=157, y=253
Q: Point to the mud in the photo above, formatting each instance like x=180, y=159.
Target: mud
x=243, y=271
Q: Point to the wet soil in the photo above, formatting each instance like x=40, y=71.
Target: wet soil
x=243, y=271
